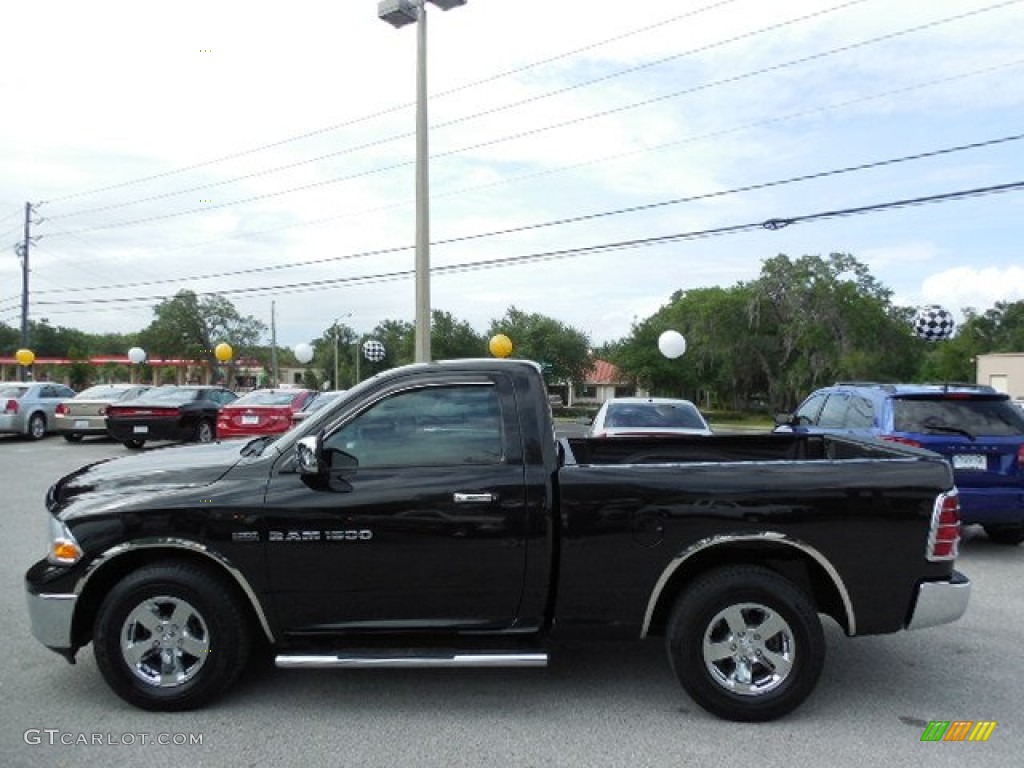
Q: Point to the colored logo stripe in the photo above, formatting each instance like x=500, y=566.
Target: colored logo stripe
x=982, y=730
x=935, y=730
x=958, y=730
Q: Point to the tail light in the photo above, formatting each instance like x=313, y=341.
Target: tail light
x=902, y=440
x=61, y=410
x=944, y=536
x=11, y=406
x=1020, y=456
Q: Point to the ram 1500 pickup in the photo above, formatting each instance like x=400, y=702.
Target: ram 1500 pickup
x=430, y=517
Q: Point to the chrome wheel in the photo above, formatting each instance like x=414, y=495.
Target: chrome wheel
x=204, y=432
x=748, y=649
x=746, y=643
x=165, y=641
x=37, y=426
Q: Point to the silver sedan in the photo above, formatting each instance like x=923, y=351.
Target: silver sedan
x=86, y=413
x=27, y=407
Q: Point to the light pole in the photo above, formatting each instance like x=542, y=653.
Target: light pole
x=398, y=13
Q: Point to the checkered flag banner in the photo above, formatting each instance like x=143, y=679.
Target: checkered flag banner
x=933, y=323
x=373, y=351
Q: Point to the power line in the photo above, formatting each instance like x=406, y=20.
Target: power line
x=399, y=107
x=574, y=219
x=585, y=118
x=509, y=261
x=463, y=119
x=718, y=133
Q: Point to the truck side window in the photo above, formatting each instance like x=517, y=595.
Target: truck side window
x=430, y=426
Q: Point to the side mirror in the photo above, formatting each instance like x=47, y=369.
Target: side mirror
x=307, y=455
x=784, y=420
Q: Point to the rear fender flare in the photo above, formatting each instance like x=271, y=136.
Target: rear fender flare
x=767, y=537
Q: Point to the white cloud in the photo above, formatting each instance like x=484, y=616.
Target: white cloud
x=963, y=287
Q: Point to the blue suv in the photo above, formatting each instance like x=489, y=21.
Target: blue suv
x=979, y=430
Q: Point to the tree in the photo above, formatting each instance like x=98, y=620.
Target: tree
x=451, y=338
x=817, y=320
x=564, y=349
x=189, y=326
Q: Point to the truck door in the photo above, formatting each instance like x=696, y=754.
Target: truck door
x=418, y=522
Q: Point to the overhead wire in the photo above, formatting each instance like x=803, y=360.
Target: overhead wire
x=465, y=118
x=565, y=123
x=859, y=167
x=564, y=253
x=400, y=107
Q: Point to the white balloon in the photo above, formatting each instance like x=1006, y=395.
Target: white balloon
x=137, y=354
x=672, y=344
x=303, y=352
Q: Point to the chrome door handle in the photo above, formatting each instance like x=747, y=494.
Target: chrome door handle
x=474, y=498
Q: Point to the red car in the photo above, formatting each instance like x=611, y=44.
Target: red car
x=261, y=412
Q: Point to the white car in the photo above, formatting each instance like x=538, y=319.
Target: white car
x=648, y=416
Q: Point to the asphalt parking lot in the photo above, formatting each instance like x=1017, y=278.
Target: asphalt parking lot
x=614, y=705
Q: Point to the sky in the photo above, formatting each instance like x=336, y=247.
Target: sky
x=587, y=160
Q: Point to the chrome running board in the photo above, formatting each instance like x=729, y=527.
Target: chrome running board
x=417, y=658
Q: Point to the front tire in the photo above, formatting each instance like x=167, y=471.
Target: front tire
x=170, y=636
x=746, y=644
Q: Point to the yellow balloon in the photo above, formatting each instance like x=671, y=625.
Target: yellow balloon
x=223, y=352
x=25, y=356
x=500, y=345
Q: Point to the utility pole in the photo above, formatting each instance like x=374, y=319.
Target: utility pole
x=23, y=253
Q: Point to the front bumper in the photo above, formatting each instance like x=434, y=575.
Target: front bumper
x=940, y=602
x=51, y=616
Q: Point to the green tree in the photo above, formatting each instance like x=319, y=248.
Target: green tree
x=564, y=349
x=451, y=338
x=189, y=326
x=816, y=320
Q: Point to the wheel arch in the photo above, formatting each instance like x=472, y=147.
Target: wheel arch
x=801, y=563
x=117, y=562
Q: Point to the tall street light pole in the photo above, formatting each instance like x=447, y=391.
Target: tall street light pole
x=398, y=13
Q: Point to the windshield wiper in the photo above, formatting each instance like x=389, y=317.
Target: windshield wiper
x=952, y=430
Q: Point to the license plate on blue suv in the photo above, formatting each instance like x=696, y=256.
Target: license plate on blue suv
x=969, y=461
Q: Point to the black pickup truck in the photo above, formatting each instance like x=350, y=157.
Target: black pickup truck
x=430, y=517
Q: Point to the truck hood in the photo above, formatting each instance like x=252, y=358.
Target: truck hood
x=126, y=480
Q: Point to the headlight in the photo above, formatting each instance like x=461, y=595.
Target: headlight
x=64, y=550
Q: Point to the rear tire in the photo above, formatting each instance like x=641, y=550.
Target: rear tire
x=204, y=432
x=170, y=636
x=1009, y=535
x=746, y=643
x=37, y=426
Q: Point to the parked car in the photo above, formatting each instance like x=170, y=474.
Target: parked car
x=262, y=412
x=648, y=416
x=976, y=428
x=318, y=402
x=27, y=407
x=169, y=413
x=86, y=413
